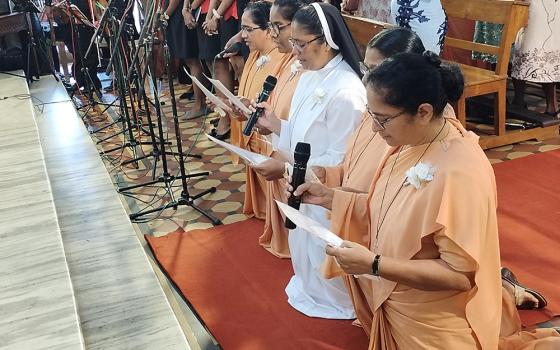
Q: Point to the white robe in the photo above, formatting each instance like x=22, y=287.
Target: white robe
x=325, y=123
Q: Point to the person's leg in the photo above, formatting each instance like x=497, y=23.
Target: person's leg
x=92, y=60
x=551, y=98
x=223, y=73
x=195, y=67
x=519, y=93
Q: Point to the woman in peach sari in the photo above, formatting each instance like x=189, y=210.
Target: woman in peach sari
x=429, y=221
x=275, y=235
x=264, y=60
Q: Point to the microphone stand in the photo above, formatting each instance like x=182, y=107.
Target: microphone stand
x=90, y=86
x=102, y=22
x=185, y=198
x=119, y=69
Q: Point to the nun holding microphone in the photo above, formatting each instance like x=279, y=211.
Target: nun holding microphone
x=326, y=107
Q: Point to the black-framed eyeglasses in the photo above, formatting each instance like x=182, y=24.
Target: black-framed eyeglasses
x=277, y=28
x=300, y=46
x=248, y=29
x=380, y=124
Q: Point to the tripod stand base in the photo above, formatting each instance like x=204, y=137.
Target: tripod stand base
x=188, y=201
x=166, y=179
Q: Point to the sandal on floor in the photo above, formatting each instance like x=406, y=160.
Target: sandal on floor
x=520, y=290
x=221, y=137
x=215, y=121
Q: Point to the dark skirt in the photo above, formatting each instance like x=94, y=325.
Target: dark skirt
x=211, y=45
x=182, y=41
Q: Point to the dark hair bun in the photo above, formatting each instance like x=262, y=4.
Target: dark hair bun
x=432, y=58
x=407, y=80
x=452, y=81
x=260, y=12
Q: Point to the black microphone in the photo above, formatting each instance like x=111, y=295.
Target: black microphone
x=301, y=156
x=235, y=48
x=268, y=86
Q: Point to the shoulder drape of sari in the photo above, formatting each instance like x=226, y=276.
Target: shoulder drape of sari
x=363, y=153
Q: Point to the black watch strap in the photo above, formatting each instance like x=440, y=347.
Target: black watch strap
x=375, y=265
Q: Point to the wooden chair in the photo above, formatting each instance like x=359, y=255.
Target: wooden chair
x=513, y=15
x=363, y=29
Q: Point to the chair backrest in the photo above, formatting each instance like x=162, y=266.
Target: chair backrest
x=512, y=14
x=363, y=29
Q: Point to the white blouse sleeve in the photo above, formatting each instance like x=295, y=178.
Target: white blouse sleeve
x=284, y=138
x=344, y=113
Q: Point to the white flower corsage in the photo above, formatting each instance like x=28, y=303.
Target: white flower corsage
x=294, y=69
x=318, y=96
x=418, y=174
x=261, y=61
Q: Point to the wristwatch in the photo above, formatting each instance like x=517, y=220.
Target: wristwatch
x=216, y=14
x=375, y=265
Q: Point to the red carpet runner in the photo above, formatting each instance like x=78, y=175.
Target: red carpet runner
x=529, y=223
x=237, y=288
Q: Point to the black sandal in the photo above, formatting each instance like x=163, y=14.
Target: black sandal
x=519, y=290
x=221, y=137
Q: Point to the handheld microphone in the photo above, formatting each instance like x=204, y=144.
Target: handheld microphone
x=268, y=86
x=301, y=156
x=235, y=48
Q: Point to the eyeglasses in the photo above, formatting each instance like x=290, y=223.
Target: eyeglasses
x=363, y=68
x=277, y=28
x=300, y=46
x=248, y=29
x=380, y=124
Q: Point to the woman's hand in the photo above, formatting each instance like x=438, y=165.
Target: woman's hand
x=238, y=113
x=212, y=106
x=268, y=121
x=234, y=39
x=188, y=19
x=271, y=169
x=312, y=193
x=211, y=26
x=353, y=258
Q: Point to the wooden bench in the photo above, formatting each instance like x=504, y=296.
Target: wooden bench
x=513, y=15
x=363, y=29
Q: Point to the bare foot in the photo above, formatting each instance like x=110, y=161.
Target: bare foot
x=521, y=296
x=223, y=126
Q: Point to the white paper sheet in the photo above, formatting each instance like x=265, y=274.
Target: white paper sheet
x=314, y=228
x=310, y=225
x=236, y=101
x=251, y=157
x=221, y=107
x=256, y=159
